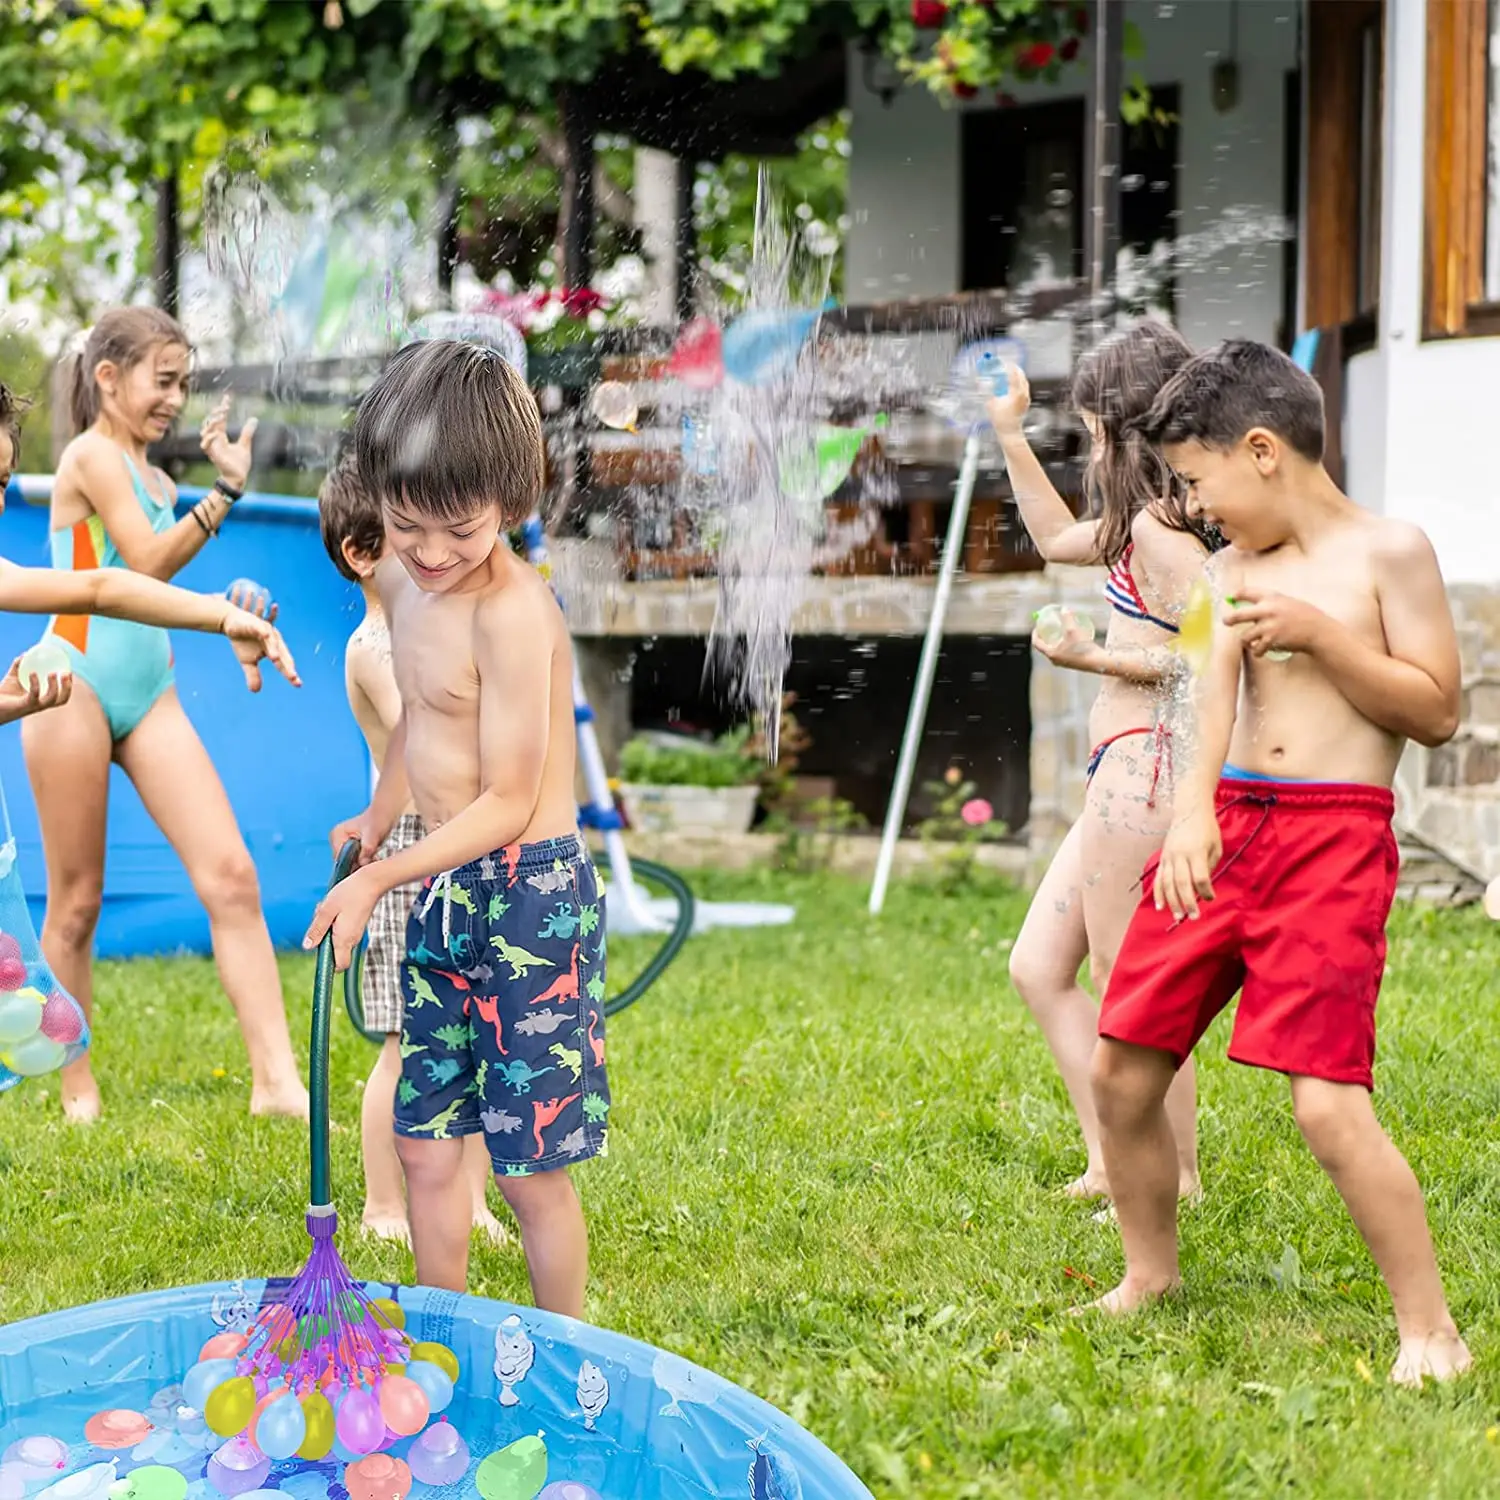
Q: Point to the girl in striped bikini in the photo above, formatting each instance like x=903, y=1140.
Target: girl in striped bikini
x=1144, y=534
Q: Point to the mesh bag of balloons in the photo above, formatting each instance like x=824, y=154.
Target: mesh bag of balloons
x=41, y=1025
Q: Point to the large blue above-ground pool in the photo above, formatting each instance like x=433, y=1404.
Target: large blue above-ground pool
x=292, y=759
x=618, y=1420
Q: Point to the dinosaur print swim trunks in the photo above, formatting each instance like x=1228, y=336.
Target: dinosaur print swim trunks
x=503, y=1008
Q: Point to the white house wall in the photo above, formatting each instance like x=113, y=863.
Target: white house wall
x=1419, y=422
x=905, y=188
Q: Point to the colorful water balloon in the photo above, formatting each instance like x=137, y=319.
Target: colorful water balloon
x=62, y=1020
x=37, y=1457
x=1195, y=631
x=281, y=1427
x=814, y=470
x=238, y=1467
x=48, y=658
x=613, y=403
x=317, y=1415
x=150, y=1482
x=514, y=1473
x=227, y=1345
x=403, y=1404
x=116, y=1429
x=20, y=1015
x=440, y=1456
x=388, y=1311
x=12, y=963
x=763, y=344
x=569, y=1489
x=434, y=1381
x=1268, y=655
x=437, y=1354
x=230, y=1405
x=697, y=358
x=204, y=1379
x=358, y=1422
x=246, y=593
x=92, y=1483
x=378, y=1477
x=1053, y=623
x=36, y=1055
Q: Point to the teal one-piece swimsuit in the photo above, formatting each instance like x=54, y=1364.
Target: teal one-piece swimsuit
x=128, y=666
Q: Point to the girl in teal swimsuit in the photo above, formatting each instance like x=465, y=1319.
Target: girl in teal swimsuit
x=110, y=510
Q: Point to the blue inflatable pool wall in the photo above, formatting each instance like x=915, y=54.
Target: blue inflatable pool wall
x=292, y=759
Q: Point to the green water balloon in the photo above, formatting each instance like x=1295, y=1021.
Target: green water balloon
x=514, y=1473
x=813, y=471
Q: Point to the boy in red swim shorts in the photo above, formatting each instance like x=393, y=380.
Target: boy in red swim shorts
x=1280, y=867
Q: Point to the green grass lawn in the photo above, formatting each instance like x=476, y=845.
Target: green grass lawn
x=835, y=1156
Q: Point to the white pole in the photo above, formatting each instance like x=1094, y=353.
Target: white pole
x=926, y=671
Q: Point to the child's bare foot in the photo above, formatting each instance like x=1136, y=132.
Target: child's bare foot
x=387, y=1226
x=289, y=1098
x=1087, y=1188
x=80, y=1100
x=1437, y=1356
x=491, y=1228
x=1129, y=1296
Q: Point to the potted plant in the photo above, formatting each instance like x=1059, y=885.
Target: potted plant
x=676, y=784
x=561, y=329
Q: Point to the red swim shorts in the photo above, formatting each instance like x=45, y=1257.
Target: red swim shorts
x=1301, y=897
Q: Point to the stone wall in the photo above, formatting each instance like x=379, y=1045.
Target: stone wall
x=1448, y=799
x=1060, y=703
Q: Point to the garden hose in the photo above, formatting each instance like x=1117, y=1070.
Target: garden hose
x=322, y=1017
x=682, y=928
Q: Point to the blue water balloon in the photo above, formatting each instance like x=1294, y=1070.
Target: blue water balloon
x=281, y=1428
x=203, y=1379
x=434, y=1382
x=764, y=343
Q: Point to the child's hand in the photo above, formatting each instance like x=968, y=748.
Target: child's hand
x=232, y=460
x=253, y=598
x=1192, y=849
x=255, y=639
x=1007, y=411
x=344, y=911
x=363, y=830
x=1077, y=649
x=1274, y=622
x=18, y=699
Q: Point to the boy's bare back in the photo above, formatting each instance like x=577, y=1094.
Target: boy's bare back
x=473, y=668
x=1377, y=578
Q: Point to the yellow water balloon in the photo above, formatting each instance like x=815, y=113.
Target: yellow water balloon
x=318, y=1414
x=230, y=1406
x=1195, y=633
x=440, y=1355
x=388, y=1311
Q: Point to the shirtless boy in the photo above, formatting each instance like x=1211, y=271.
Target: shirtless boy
x=503, y=984
x=354, y=534
x=1280, y=867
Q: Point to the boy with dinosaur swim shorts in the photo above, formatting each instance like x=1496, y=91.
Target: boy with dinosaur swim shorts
x=1279, y=870
x=503, y=983
x=354, y=534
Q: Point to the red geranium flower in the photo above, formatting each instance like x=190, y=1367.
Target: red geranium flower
x=1081, y=19
x=965, y=90
x=1069, y=49
x=928, y=15
x=1037, y=55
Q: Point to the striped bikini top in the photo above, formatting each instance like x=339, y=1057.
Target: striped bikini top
x=1122, y=593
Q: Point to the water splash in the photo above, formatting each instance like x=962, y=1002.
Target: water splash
x=742, y=436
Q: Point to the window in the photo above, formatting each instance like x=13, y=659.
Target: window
x=1461, y=293
x=1345, y=105
x=1023, y=199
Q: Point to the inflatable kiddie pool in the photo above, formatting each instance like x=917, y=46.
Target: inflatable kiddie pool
x=90, y=1409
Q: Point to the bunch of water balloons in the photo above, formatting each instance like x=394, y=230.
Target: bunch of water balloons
x=307, y=1383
